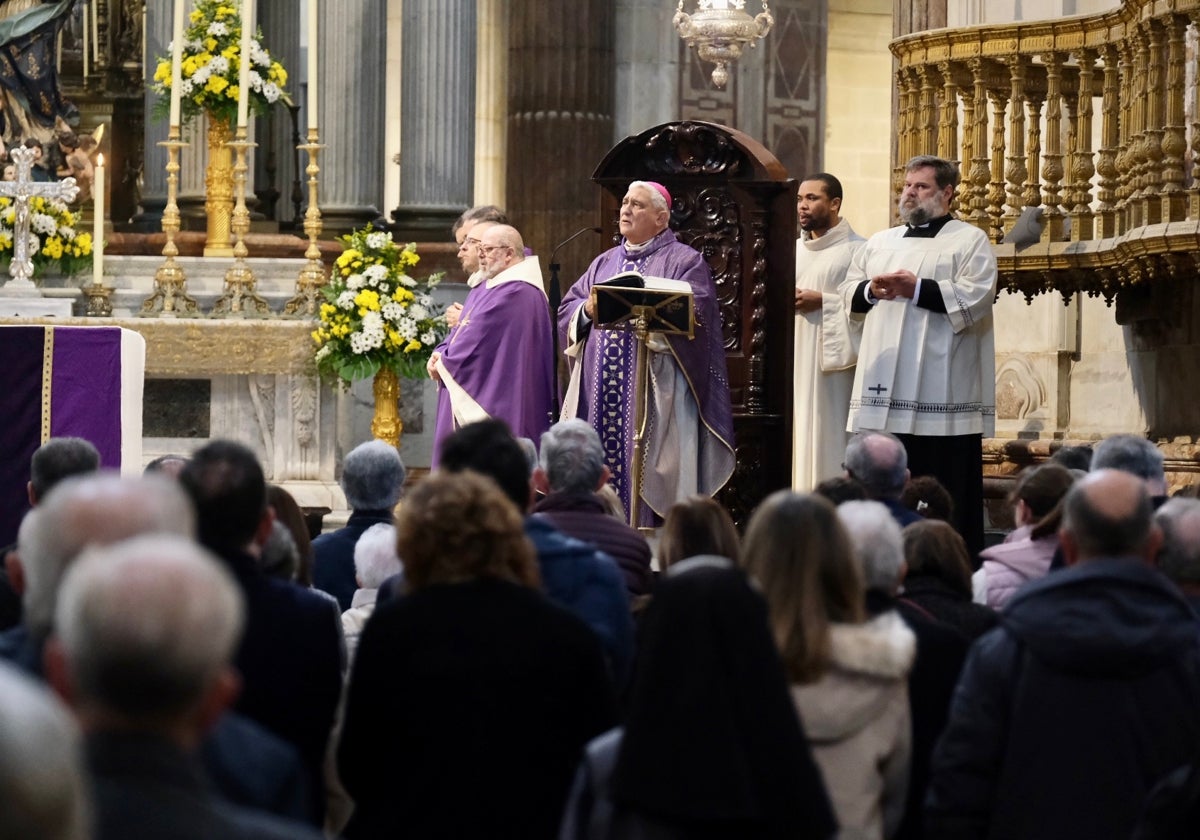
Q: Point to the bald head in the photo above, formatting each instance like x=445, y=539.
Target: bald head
x=1108, y=513
x=879, y=462
x=501, y=247
x=92, y=510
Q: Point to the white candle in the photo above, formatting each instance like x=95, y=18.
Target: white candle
x=244, y=68
x=86, y=48
x=312, y=64
x=98, y=223
x=177, y=61
x=96, y=36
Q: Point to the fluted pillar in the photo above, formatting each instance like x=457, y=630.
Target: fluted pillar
x=491, y=102
x=274, y=163
x=560, y=108
x=437, y=126
x=647, y=67
x=350, y=104
x=154, y=158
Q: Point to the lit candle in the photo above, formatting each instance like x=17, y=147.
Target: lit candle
x=177, y=61
x=244, y=67
x=312, y=64
x=85, y=41
x=98, y=223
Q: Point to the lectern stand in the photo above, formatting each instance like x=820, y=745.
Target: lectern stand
x=659, y=307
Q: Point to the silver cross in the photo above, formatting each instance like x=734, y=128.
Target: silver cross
x=21, y=191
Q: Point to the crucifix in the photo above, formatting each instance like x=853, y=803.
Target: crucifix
x=21, y=191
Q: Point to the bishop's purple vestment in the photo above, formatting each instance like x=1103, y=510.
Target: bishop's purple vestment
x=500, y=356
x=689, y=428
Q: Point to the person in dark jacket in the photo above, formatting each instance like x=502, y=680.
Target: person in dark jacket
x=291, y=655
x=879, y=462
x=372, y=479
x=472, y=696
x=574, y=574
x=712, y=746
x=571, y=471
x=1070, y=711
x=938, y=578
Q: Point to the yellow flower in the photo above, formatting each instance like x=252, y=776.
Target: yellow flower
x=328, y=310
x=196, y=16
x=277, y=74
x=230, y=52
x=84, y=241
x=162, y=73
x=412, y=345
x=225, y=11
x=216, y=84
x=53, y=248
x=210, y=43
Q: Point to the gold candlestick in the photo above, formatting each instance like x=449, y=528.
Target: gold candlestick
x=240, y=295
x=312, y=277
x=170, y=284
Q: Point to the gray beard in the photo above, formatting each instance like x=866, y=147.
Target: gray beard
x=916, y=216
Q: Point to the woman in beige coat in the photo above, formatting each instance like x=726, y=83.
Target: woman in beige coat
x=849, y=675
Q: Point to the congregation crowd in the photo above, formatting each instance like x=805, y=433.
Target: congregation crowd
x=492, y=655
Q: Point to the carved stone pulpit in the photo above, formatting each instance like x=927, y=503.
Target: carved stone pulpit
x=733, y=202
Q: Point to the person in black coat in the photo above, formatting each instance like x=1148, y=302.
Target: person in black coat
x=471, y=696
x=937, y=579
x=291, y=656
x=1072, y=710
x=712, y=746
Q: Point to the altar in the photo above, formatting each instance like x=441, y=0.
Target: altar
x=250, y=379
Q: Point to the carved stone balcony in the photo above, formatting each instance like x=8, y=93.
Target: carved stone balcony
x=1016, y=105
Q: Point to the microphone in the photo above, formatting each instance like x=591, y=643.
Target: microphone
x=569, y=239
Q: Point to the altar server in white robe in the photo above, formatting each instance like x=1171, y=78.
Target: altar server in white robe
x=926, y=363
x=826, y=336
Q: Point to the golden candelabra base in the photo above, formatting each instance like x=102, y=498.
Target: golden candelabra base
x=219, y=180
x=313, y=276
x=98, y=303
x=240, y=298
x=386, y=424
x=170, y=296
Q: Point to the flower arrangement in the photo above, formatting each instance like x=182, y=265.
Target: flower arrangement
x=376, y=315
x=211, y=65
x=52, y=225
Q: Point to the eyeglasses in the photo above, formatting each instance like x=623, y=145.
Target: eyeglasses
x=487, y=249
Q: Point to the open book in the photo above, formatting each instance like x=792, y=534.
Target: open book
x=670, y=300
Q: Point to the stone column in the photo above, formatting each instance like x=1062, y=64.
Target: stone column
x=437, y=141
x=561, y=64
x=274, y=163
x=647, y=68
x=154, y=157
x=491, y=102
x=351, y=42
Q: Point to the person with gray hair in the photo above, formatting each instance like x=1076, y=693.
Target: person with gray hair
x=1137, y=456
x=1080, y=655
x=926, y=362
x=879, y=462
x=145, y=635
x=375, y=560
x=81, y=511
x=878, y=543
x=1179, y=557
x=372, y=479
x=42, y=783
x=57, y=459
x=570, y=472
x=879, y=547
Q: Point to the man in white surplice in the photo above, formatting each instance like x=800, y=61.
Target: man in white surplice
x=926, y=363
x=826, y=337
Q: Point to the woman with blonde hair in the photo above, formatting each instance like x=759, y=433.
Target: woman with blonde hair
x=848, y=674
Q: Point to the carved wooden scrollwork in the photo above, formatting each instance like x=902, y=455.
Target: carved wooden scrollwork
x=692, y=148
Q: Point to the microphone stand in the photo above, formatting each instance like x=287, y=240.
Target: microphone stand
x=555, y=298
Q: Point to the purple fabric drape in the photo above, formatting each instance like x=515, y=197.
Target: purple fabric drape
x=84, y=401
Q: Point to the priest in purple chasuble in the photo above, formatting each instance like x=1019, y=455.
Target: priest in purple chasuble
x=498, y=360
x=689, y=429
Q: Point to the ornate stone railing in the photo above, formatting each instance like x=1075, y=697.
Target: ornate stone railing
x=1092, y=119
